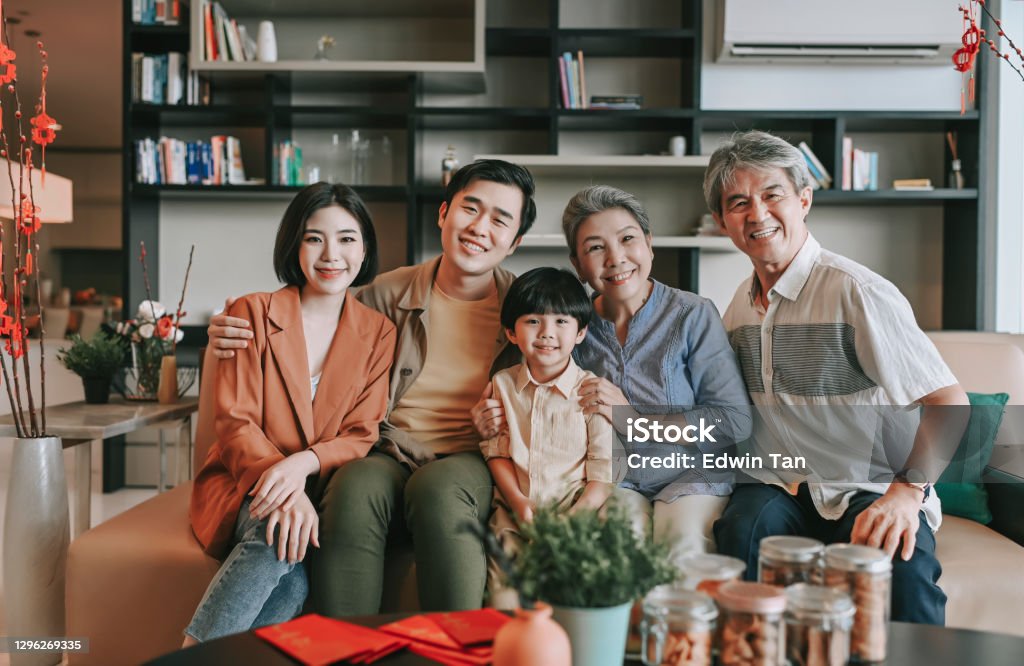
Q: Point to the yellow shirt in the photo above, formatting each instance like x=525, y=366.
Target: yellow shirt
x=555, y=448
x=435, y=409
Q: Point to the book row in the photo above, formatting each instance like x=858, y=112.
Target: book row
x=169, y=161
x=223, y=37
x=165, y=79
x=156, y=12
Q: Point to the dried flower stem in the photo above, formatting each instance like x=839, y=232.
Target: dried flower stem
x=181, y=302
x=145, y=278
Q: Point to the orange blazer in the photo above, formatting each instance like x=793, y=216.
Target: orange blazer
x=264, y=411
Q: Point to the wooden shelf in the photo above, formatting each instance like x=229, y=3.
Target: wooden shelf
x=554, y=165
x=703, y=243
x=395, y=193
x=891, y=197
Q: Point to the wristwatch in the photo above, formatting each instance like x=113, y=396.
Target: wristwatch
x=916, y=478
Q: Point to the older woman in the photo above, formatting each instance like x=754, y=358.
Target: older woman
x=657, y=351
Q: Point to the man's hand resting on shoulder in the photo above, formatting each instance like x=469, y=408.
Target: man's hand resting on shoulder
x=228, y=333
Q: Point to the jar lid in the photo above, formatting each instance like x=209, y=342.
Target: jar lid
x=751, y=597
x=804, y=600
x=791, y=548
x=707, y=566
x=674, y=600
x=850, y=557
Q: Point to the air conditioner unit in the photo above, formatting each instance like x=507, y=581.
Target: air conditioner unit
x=838, y=31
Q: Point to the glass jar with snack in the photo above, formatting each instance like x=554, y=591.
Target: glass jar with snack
x=818, y=622
x=865, y=574
x=785, y=560
x=750, y=624
x=677, y=627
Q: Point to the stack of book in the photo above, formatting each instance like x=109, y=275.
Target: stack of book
x=621, y=102
x=223, y=37
x=288, y=156
x=573, y=83
x=860, y=167
x=165, y=79
x=156, y=12
x=170, y=161
x=913, y=184
x=821, y=179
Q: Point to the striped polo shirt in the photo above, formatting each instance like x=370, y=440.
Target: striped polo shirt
x=833, y=367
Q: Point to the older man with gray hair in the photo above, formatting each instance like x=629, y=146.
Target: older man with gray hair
x=816, y=331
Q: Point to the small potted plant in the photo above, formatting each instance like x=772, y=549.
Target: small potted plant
x=96, y=361
x=590, y=566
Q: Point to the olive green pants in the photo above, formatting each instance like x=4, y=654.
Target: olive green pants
x=375, y=501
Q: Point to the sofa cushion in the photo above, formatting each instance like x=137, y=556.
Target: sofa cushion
x=134, y=582
x=960, y=487
x=982, y=576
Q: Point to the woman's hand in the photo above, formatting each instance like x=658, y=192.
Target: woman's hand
x=300, y=526
x=488, y=414
x=281, y=485
x=228, y=333
x=598, y=396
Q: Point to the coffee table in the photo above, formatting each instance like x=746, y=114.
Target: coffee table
x=909, y=645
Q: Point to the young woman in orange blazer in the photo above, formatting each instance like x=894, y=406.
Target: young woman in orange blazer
x=302, y=401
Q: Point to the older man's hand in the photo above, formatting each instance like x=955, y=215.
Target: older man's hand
x=890, y=518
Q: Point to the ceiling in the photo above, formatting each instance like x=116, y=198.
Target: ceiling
x=84, y=42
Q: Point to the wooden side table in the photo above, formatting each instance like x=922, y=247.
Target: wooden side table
x=79, y=425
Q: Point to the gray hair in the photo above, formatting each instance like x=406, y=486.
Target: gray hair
x=597, y=199
x=755, y=150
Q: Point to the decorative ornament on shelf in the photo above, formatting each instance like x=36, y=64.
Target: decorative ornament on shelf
x=974, y=37
x=325, y=42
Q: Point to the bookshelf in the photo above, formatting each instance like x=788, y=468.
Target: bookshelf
x=496, y=93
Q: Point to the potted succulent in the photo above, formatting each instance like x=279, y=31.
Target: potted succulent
x=96, y=361
x=589, y=566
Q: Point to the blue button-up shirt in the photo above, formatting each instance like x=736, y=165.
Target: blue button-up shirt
x=676, y=360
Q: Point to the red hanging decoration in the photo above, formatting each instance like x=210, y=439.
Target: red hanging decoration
x=28, y=263
x=44, y=127
x=28, y=218
x=16, y=341
x=8, y=70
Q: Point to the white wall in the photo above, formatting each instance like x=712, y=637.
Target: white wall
x=1009, y=255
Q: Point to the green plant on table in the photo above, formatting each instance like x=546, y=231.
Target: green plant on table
x=588, y=559
x=99, y=358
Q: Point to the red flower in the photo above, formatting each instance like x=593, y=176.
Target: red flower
x=164, y=328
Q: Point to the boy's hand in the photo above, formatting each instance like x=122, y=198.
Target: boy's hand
x=228, y=333
x=488, y=414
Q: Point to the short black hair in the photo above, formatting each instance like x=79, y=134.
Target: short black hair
x=293, y=225
x=497, y=171
x=546, y=291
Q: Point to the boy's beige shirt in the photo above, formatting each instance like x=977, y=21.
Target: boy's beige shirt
x=555, y=448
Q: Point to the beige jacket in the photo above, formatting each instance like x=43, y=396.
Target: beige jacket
x=403, y=295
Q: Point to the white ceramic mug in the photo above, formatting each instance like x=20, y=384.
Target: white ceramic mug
x=266, y=42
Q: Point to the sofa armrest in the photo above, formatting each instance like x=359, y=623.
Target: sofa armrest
x=1005, y=499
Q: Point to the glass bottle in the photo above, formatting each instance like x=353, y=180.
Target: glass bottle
x=449, y=165
x=750, y=624
x=818, y=622
x=677, y=627
x=785, y=560
x=865, y=574
x=706, y=572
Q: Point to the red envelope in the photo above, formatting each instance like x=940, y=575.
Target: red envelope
x=451, y=657
x=421, y=629
x=317, y=641
x=471, y=627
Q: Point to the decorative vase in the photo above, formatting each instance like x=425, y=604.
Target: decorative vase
x=532, y=638
x=147, y=363
x=168, y=393
x=36, y=536
x=266, y=42
x=597, y=635
x=97, y=390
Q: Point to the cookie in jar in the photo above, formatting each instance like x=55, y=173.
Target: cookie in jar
x=864, y=573
x=751, y=631
x=677, y=627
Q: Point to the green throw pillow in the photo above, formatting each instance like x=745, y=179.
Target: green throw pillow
x=960, y=487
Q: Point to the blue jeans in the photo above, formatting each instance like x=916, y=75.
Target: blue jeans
x=756, y=511
x=252, y=588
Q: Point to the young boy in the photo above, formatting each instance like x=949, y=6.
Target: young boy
x=550, y=450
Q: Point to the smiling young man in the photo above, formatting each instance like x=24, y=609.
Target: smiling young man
x=427, y=478
x=819, y=336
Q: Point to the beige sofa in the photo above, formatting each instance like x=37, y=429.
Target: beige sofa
x=134, y=581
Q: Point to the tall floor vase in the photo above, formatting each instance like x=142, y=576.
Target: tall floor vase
x=35, y=550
